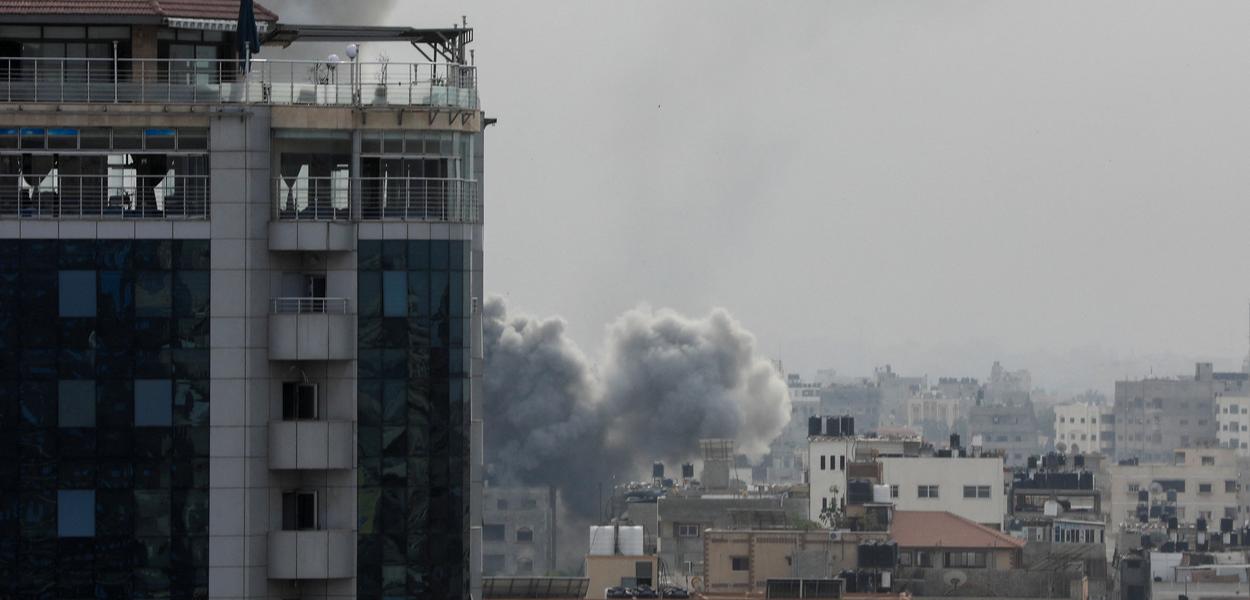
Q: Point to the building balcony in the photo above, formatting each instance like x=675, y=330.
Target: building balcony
x=268, y=82
x=322, y=200
x=311, y=329
x=54, y=196
x=312, y=554
x=310, y=445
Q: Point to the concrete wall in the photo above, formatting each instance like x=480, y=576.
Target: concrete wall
x=777, y=554
x=950, y=475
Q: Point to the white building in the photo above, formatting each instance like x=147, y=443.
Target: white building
x=1233, y=419
x=1077, y=426
x=971, y=487
x=827, y=458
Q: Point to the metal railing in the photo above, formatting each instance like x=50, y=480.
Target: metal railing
x=420, y=199
x=52, y=195
x=380, y=198
x=312, y=198
x=180, y=81
x=297, y=305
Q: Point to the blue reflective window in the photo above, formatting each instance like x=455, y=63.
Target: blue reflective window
x=394, y=293
x=77, y=293
x=76, y=403
x=153, y=403
x=75, y=513
x=152, y=294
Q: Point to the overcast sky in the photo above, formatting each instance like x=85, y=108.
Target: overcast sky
x=931, y=184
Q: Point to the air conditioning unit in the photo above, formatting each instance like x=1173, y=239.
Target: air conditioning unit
x=835, y=535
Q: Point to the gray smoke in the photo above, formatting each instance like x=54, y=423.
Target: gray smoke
x=336, y=12
x=553, y=418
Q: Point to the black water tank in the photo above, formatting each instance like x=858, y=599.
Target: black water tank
x=848, y=425
x=954, y=441
x=1226, y=525
x=1087, y=480
x=1171, y=523
x=1202, y=524
x=833, y=426
x=813, y=426
x=657, y=470
x=1078, y=460
x=687, y=471
x=1145, y=541
x=1032, y=462
x=1143, y=496
x=1171, y=495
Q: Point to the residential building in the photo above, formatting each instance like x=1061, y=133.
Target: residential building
x=1198, y=575
x=786, y=455
x=1155, y=416
x=861, y=399
x=518, y=531
x=1078, y=426
x=935, y=414
x=742, y=561
x=1007, y=387
x=1009, y=429
x=827, y=459
x=682, y=520
x=1232, y=418
x=1197, y=483
x=894, y=390
x=239, y=337
x=617, y=570
x=941, y=540
x=970, y=487
x=1055, y=506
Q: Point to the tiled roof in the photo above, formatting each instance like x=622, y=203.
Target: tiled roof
x=938, y=529
x=194, y=9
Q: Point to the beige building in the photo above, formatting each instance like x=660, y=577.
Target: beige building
x=742, y=561
x=1078, y=427
x=1204, y=480
x=613, y=570
x=971, y=487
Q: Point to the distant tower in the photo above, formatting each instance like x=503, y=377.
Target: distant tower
x=1245, y=364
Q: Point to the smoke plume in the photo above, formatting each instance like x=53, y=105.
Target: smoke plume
x=667, y=380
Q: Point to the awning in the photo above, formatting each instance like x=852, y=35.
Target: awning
x=211, y=24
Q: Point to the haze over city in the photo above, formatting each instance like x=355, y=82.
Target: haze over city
x=934, y=186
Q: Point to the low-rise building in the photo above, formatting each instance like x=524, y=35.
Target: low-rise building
x=618, y=570
x=682, y=519
x=742, y=561
x=968, y=486
x=1199, y=575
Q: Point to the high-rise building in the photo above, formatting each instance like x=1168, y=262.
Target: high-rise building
x=239, y=335
x=1157, y=415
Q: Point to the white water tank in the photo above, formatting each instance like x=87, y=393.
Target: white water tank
x=881, y=494
x=606, y=540
x=1050, y=508
x=602, y=540
x=630, y=540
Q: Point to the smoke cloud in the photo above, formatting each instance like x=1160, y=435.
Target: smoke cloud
x=553, y=418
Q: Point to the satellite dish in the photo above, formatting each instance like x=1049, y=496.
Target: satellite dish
x=955, y=578
x=1156, y=488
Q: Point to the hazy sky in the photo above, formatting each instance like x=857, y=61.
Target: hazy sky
x=932, y=184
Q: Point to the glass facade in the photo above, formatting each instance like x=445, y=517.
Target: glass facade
x=104, y=415
x=413, y=392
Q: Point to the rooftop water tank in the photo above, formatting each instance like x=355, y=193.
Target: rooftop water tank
x=881, y=494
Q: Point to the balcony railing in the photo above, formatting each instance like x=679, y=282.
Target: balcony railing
x=294, y=306
x=177, y=81
x=399, y=198
x=52, y=195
